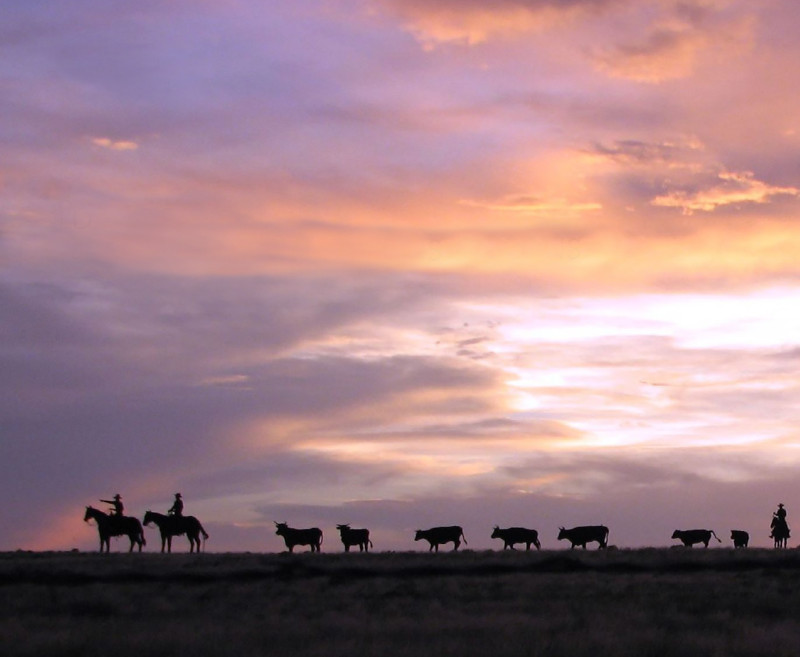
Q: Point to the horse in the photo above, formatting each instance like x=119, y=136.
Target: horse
x=170, y=526
x=780, y=532
x=108, y=526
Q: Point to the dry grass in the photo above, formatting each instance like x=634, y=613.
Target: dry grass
x=639, y=602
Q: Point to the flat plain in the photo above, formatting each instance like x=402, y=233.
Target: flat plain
x=646, y=602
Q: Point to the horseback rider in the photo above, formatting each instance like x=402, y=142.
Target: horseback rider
x=116, y=506
x=176, y=510
x=779, y=521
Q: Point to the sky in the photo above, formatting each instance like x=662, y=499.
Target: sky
x=398, y=264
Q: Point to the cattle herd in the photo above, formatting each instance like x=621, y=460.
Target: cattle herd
x=511, y=536
x=109, y=525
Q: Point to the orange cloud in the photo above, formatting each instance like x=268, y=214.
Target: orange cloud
x=115, y=145
x=472, y=21
x=674, y=46
x=534, y=205
x=734, y=188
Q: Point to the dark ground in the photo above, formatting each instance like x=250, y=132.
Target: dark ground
x=669, y=602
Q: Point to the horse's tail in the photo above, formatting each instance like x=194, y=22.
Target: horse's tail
x=202, y=531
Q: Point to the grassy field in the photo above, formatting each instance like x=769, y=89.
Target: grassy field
x=657, y=602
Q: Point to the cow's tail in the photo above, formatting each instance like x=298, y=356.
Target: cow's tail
x=605, y=540
x=715, y=536
x=464, y=537
x=370, y=542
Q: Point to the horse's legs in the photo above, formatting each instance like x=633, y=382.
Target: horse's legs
x=163, y=543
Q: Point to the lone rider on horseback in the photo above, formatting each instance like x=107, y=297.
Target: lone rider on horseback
x=116, y=506
x=176, y=510
x=779, y=524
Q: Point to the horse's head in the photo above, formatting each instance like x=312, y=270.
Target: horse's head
x=148, y=517
x=91, y=512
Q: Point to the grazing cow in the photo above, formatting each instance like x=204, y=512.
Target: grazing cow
x=583, y=535
x=292, y=537
x=437, y=535
x=359, y=537
x=514, y=535
x=691, y=536
x=740, y=538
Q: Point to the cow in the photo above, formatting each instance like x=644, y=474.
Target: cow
x=514, y=535
x=583, y=535
x=437, y=535
x=359, y=537
x=691, y=536
x=292, y=537
x=740, y=538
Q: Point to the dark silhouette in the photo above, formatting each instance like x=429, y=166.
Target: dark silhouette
x=740, y=538
x=780, y=536
x=359, y=537
x=780, y=528
x=117, y=508
x=177, y=506
x=586, y=534
x=691, y=536
x=514, y=535
x=438, y=535
x=176, y=525
x=115, y=525
x=311, y=537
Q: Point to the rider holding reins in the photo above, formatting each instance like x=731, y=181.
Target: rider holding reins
x=779, y=521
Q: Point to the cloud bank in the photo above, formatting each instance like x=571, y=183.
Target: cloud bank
x=399, y=264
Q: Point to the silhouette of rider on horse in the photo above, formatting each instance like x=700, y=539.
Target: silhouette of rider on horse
x=176, y=510
x=779, y=526
x=117, y=507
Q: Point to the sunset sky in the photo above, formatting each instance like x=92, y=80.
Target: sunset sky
x=400, y=263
